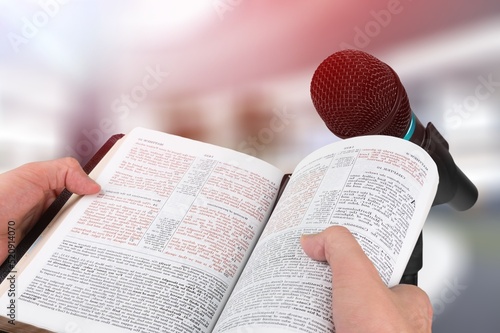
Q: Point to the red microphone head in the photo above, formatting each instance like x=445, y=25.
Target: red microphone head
x=357, y=94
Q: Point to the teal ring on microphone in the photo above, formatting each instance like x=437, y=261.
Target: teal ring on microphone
x=411, y=129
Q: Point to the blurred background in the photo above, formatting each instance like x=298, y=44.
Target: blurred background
x=72, y=73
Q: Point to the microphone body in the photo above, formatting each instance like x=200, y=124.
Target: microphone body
x=357, y=94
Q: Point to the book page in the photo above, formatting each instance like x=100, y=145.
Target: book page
x=159, y=248
x=381, y=195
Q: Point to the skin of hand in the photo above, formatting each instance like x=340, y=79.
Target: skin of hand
x=361, y=302
x=27, y=191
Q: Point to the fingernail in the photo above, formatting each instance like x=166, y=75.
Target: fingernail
x=91, y=179
x=304, y=236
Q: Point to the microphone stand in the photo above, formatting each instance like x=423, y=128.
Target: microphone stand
x=454, y=188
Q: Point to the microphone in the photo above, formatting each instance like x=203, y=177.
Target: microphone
x=357, y=94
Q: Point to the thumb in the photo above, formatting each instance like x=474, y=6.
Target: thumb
x=76, y=180
x=341, y=250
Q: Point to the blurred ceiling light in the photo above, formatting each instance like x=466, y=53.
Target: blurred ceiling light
x=445, y=51
x=27, y=137
x=166, y=19
x=477, y=120
x=458, y=114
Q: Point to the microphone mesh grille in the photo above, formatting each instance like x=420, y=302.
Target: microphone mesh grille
x=357, y=94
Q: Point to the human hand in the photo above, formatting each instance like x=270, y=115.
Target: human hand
x=27, y=191
x=361, y=302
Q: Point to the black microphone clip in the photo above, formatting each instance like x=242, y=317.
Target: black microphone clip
x=454, y=187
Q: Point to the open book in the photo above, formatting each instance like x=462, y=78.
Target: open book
x=190, y=237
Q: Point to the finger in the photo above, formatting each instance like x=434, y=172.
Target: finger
x=66, y=173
